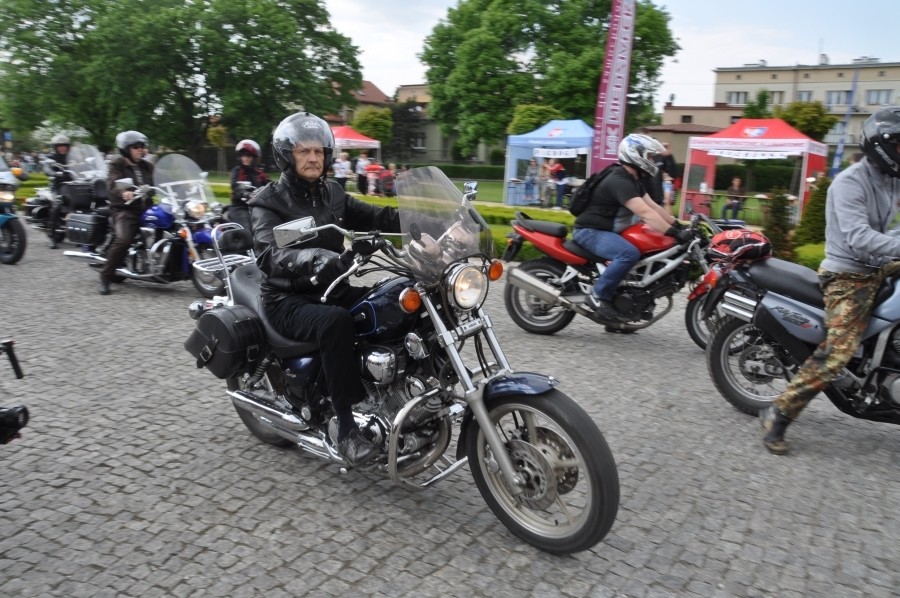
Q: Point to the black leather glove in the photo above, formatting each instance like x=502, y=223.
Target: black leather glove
x=682, y=235
x=679, y=225
x=326, y=271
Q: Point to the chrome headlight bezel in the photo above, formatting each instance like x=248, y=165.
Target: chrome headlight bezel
x=466, y=286
x=196, y=208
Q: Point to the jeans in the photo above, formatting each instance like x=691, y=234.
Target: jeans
x=611, y=246
x=560, y=193
x=734, y=206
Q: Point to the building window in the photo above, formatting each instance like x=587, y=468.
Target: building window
x=881, y=74
x=806, y=75
x=776, y=97
x=686, y=119
x=837, y=98
x=734, y=119
x=737, y=77
x=840, y=75
x=736, y=98
x=879, y=97
x=774, y=75
x=804, y=96
x=417, y=141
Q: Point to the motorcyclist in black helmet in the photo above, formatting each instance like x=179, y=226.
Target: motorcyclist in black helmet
x=55, y=170
x=860, y=252
x=295, y=277
x=125, y=211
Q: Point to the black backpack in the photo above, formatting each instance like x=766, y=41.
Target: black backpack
x=581, y=196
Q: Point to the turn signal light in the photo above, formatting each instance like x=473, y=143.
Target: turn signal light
x=183, y=233
x=495, y=270
x=410, y=300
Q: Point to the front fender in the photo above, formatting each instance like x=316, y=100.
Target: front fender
x=516, y=383
x=4, y=218
x=203, y=237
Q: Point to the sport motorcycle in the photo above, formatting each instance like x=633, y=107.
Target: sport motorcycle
x=82, y=194
x=544, y=295
x=431, y=364
x=174, y=235
x=772, y=317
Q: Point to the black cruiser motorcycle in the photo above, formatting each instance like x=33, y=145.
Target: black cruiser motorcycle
x=431, y=363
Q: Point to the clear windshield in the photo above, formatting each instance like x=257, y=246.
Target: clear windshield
x=179, y=176
x=439, y=226
x=86, y=162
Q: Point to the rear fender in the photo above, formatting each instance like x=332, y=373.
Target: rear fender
x=516, y=383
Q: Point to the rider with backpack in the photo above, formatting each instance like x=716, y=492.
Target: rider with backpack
x=612, y=202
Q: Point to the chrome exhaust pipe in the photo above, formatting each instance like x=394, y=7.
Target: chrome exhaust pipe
x=543, y=291
x=84, y=255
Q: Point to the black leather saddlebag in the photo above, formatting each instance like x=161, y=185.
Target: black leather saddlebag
x=87, y=229
x=228, y=341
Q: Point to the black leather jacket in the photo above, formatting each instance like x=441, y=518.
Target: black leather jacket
x=288, y=270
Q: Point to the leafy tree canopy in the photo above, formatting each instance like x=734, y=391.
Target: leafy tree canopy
x=810, y=118
x=759, y=108
x=488, y=56
x=528, y=117
x=376, y=123
x=165, y=67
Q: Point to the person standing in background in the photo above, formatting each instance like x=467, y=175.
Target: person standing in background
x=362, y=182
x=341, y=168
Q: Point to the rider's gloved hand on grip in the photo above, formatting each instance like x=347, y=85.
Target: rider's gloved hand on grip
x=679, y=225
x=682, y=235
x=327, y=270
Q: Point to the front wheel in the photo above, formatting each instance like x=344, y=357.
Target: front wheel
x=531, y=313
x=256, y=427
x=747, y=367
x=12, y=241
x=699, y=328
x=570, y=495
x=207, y=283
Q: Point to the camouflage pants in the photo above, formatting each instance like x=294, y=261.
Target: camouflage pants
x=848, y=304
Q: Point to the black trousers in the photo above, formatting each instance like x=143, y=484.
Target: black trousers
x=331, y=327
x=125, y=227
x=362, y=184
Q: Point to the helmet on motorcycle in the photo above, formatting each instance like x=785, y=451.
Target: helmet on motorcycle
x=881, y=140
x=247, y=147
x=637, y=150
x=738, y=245
x=297, y=130
x=60, y=139
x=127, y=139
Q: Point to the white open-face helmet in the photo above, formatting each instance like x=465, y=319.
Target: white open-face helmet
x=638, y=150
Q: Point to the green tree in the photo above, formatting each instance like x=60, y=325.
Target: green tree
x=166, y=67
x=811, y=229
x=759, y=108
x=376, y=123
x=488, y=56
x=406, y=117
x=528, y=117
x=778, y=225
x=810, y=118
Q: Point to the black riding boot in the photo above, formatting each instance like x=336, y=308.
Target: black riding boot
x=774, y=423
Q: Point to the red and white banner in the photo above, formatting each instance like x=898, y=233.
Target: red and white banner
x=609, y=120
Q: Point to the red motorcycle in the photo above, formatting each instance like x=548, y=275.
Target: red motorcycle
x=542, y=296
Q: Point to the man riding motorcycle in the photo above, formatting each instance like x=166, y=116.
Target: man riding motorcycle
x=295, y=277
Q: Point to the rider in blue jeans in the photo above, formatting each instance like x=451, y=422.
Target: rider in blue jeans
x=618, y=202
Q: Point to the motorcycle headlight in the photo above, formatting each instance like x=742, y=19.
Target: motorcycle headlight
x=195, y=208
x=467, y=287
x=7, y=196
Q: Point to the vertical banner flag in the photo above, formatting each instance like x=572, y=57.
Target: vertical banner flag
x=609, y=119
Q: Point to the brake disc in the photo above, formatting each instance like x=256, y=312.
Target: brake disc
x=540, y=489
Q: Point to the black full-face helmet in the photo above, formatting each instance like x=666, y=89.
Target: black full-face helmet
x=301, y=129
x=881, y=140
x=126, y=139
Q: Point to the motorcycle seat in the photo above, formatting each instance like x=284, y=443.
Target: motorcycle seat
x=102, y=211
x=554, y=229
x=788, y=279
x=580, y=251
x=245, y=282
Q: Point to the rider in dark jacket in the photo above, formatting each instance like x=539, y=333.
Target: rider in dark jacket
x=296, y=277
x=60, y=157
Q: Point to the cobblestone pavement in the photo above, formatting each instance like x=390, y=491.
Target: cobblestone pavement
x=136, y=478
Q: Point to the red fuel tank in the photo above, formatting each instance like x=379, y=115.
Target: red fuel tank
x=646, y=239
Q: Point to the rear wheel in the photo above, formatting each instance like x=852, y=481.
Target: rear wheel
x=12, y=241
x=698, y=327
x=747, y=367
x=570, y=493
x=531, y=313
x=256, y=427
x=207, y=283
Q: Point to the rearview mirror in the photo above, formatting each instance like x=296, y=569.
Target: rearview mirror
x=295, y=232
x=124, y=183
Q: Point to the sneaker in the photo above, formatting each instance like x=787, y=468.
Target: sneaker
x=103, y=287
x=602, y=308
x=356, y=448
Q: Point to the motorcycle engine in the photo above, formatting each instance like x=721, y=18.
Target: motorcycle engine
x=634, y=303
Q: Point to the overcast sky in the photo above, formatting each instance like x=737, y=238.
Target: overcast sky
x=389, y=34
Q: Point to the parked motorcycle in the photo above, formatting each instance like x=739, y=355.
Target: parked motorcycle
x=775, y=320
x=539, y=461
x=15, y=417
x=544, y=295
x=82, y=193
x=175, y=233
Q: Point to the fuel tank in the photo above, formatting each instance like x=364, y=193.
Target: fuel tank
x=377, y=316
x=646, y=239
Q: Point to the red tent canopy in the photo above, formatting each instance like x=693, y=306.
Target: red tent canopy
x=346, y=138
x=748, y=139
